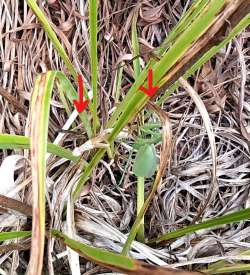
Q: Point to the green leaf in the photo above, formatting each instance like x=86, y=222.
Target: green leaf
x=226, y=219
x=96, y=254
x=66, y=87
x=145, y=163
x=113, y=261
x=4, y=236
x=21, y=142
x=93, y=29
x=47, y=26
x=52, y=36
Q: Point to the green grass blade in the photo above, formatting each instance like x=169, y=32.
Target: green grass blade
x=135, y=47
x=222, y=267
x=213, y=51
x=226, y=219
x=186, y=20
x=95, y=254
x=140, y=202
x=5, y=236
x=66, y=87
x=58, y=46
x=229, y=268
x=21, y=142
x=93, y=8
x=187, y=38
x=53, y=37
x=110, y=260
x=118, y=84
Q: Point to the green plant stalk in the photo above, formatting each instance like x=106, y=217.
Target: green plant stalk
x=140, y=202
x=137, y=71
x=21, y=142
x=139, y=217
x=93, y=8
x=135, y=101
x=87, y=172
x=223, y=220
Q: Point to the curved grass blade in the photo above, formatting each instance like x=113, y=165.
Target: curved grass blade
x=115, y=261
x=226, y=219
x=5, y=236
x=53, y=37
x=40, y=107
x=21, y=142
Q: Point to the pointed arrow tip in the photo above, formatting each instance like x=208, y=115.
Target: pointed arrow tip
x=151, y=90
x=80, y=105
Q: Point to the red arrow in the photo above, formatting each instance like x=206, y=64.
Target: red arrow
x=80, y=104
x=151, y=90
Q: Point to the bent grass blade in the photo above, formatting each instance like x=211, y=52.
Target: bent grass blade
x=226, y=219
x=52, y=36
x=21, y=142
x=116, y=262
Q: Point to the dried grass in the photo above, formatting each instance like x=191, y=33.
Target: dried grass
x=107, y=205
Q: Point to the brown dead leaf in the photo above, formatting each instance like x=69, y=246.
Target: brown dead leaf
x=214, y=99
x=151, y=14
x=13, y=101
x=209, y=128
x=15, y=205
